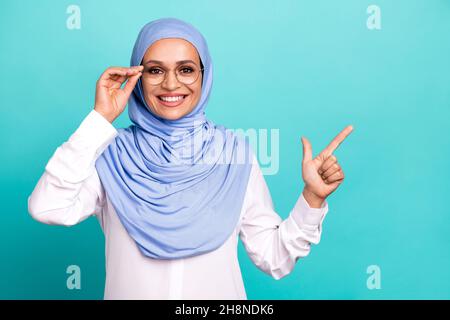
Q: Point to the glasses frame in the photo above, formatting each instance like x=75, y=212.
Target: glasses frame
x=176, y=77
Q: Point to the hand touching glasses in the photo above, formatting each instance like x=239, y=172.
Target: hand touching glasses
x=110, y=98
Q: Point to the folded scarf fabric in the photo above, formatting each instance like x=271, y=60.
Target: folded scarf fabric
x=177, y=185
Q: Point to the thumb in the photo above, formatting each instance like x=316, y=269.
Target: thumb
x=307, y=149
x=131, y=83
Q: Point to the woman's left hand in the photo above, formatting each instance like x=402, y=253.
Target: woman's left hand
x=323, y=174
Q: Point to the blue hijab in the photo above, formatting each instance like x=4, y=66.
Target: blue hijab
x=177, y=185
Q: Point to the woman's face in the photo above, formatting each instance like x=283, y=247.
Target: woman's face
x=166, y=57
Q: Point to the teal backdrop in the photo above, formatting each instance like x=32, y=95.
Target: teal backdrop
x=303, y=67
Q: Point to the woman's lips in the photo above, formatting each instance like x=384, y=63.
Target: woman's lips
x=172, y=103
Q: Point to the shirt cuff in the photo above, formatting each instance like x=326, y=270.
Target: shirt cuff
x=303, y=214
x=97, y=130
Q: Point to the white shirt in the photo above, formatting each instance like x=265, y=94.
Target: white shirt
x=69, y=191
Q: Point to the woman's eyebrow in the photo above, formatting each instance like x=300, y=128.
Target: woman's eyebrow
x=162, y=63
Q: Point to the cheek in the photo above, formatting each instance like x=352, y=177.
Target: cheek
x=150, y=96
x=197, y=92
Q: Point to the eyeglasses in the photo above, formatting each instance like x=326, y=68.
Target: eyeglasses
x=186, y=74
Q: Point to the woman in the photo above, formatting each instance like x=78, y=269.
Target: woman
x=168, y=191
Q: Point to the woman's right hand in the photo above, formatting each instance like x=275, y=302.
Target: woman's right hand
x=110, y=98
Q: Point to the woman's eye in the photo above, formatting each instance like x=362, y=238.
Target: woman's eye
x=186, y=70
x=154, y=71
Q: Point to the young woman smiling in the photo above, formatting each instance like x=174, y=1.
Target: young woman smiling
x=171, y=220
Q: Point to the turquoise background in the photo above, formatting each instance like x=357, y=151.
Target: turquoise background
x=306, y=68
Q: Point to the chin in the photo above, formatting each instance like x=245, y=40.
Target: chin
x=169, y=113
x=173, y=114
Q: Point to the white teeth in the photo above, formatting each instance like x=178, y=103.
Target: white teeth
x=171, y=99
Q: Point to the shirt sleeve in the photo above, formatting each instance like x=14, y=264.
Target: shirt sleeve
x=274, y=245
x=69, y=190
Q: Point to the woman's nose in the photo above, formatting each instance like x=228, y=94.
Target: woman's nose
x=170, y=82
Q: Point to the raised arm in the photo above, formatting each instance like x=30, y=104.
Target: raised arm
x=69, y=191
x=274, y=245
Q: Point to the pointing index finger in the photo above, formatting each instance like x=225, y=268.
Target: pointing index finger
x=337, y=141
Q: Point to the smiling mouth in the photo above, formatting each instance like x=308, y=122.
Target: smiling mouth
x=172, y=101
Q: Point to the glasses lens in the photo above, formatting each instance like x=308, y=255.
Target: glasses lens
x=186, y=74
x=153, y=75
